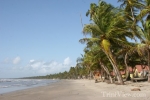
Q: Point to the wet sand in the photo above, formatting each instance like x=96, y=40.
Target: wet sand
x=82, y=90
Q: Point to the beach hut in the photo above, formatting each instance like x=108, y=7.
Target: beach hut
x=97, y=76
x=139, y=72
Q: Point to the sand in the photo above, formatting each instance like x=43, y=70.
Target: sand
x=82, y=90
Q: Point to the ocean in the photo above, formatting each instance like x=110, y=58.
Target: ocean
x=10, y=85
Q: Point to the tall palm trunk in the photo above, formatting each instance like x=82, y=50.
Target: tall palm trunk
x=115, y=67
x=149, y=59
x=127, y=67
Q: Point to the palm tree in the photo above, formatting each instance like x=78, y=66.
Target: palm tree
x=86, y=61
x=101, y=59
x=93, y=7
x=131, y=9
x=108, y=29
x=144, y=31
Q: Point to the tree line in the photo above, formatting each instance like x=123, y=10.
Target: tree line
x=74, y=73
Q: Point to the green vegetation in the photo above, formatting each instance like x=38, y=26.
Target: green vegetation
x=73, y=73
x=108, y=46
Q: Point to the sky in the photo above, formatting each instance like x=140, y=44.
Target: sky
x=41, y=37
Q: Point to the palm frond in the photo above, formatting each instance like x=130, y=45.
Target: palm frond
x=138, y=48
x=92, y=29
x=85, y=40
x=143, y=13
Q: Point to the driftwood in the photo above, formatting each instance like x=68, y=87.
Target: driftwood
x=136, y=89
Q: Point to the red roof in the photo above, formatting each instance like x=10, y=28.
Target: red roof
x=139, y=68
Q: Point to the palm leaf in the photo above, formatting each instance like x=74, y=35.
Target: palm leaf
x=143, y=13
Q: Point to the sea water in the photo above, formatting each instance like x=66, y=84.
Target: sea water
x=9, y=85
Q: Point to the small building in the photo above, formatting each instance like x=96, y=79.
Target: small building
x=97, y=76
x=138, y=71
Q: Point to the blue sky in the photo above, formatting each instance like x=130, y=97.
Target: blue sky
x=40, y=37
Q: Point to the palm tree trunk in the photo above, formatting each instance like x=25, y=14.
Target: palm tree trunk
x=107, y=71
x=114, y=64
x=127, y=68
x=89, y=71
x=149, y=59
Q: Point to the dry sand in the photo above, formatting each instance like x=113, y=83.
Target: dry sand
x=82, y=90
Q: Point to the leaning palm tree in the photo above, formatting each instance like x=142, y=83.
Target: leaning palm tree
x=98, y=59
x=108, y=29
x=101, y=59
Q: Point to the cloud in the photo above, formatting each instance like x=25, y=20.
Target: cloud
x=34, y=67
x=67, y=61
x=16, y=60
x=49, y=67
x=33, y=64
x=32, y=60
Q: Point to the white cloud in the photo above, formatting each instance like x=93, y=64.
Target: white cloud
x=49, y=67
x=32, y=60
x=36, y=67
x=36, y=64
x=16, y=60
x=67, y=61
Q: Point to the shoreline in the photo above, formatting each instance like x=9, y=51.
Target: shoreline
x=81, y=90
x=11, y=85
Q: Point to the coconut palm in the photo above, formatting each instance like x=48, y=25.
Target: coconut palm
x=144, y=30
x=86, y=61
x=97, y=60
x=101, y=59
x=93, y=7
x=130, y=9
x=108, y=29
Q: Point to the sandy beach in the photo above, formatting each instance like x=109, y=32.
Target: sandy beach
x=82, y=90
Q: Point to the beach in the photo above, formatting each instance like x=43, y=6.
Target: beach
x=82, y=90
